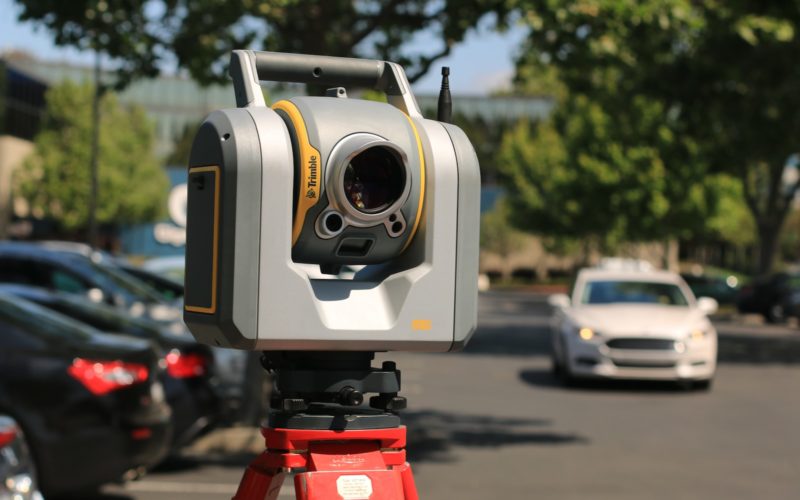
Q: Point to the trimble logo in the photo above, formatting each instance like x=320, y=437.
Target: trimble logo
x=312, y=171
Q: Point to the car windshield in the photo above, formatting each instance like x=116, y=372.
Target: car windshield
x=633, y=292
x=129, y=286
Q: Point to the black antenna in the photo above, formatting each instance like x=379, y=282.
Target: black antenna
x=445, y=111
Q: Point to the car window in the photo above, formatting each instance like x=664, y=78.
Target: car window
x=131, y=285
x=21, y=271
x=110, y=279
x=632, y=292
x=64, y=281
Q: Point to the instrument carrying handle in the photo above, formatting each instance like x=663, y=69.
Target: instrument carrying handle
x=248, y=67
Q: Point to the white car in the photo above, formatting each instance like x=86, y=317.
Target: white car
x=634, y=324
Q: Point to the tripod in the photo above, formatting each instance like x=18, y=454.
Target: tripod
x=317, y=424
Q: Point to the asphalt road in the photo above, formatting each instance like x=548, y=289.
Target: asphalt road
x=492, y=423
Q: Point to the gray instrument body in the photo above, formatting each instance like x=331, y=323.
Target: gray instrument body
x=243, y=289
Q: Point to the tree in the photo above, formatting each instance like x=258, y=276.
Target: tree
x=497, y=235
x=604, y=177
x=120, y=29
x=726, y=73
x=203, y=32
x=199, y=34
x=55, y=180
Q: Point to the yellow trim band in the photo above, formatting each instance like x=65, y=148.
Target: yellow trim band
x=310, y=168
x=421, y=184
x=214, y=256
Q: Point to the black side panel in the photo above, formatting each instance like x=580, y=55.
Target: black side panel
x=202, y=233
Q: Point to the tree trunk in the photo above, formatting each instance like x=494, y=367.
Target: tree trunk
x=768, y=233
x=91, y=237
x=671, y=254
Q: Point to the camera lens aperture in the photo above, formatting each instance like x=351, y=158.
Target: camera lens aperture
x=374, y=179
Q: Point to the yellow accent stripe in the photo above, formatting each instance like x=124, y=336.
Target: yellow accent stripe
x=310, y=168
x=421, y=185
x=421, y=324
x=214, y=256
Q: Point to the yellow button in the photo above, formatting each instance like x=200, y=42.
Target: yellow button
x=421, y=324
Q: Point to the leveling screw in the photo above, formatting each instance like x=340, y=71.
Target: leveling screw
x=348, y=396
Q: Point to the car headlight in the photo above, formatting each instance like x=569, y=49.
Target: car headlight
x=698, y=334
x=586, y=333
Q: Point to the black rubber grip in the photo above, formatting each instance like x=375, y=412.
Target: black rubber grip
x=321, y=70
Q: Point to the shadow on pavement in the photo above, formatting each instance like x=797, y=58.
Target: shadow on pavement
x=236, y=460
x=545, y=378
x=755, y=349
x=432, y=435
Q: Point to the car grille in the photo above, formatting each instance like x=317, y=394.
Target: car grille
x=644, y=364
x=642, y=344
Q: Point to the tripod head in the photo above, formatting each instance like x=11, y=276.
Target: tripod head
x=326, y=390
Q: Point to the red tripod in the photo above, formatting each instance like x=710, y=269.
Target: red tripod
x=348, y=465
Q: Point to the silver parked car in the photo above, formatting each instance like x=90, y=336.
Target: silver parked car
x=17, y=472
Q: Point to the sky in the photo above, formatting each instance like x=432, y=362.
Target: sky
x=493, y=52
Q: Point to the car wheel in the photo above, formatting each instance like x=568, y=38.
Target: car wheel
x=561, y=370
x=776, y=314
x=555, y=366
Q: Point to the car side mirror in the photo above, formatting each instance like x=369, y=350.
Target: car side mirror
x=559, y=300
x=707, y=305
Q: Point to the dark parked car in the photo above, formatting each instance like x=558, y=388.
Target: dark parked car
x=42, y=266
x=169, y=289
x=17, y=472
x=90, y=404
x=188, y=377
x=723, y=289
x=775, y=297
x=77, y=269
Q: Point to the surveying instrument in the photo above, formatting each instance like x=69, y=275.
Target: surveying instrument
x=281, y=199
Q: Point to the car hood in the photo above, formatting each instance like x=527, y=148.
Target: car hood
x=635, y=320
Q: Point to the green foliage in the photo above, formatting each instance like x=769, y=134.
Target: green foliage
x=486, y=137
x=201, y=33
x=724, y=73
x=206, y=30
x=55, y=180
x=497, y=234
x=121, y=29
x=609, y=177
x=373, y=95
x=731, y=222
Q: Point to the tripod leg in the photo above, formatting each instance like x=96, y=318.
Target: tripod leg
x=409, y=487
x=260, y=482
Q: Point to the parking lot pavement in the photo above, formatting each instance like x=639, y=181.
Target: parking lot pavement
x=491, y=422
